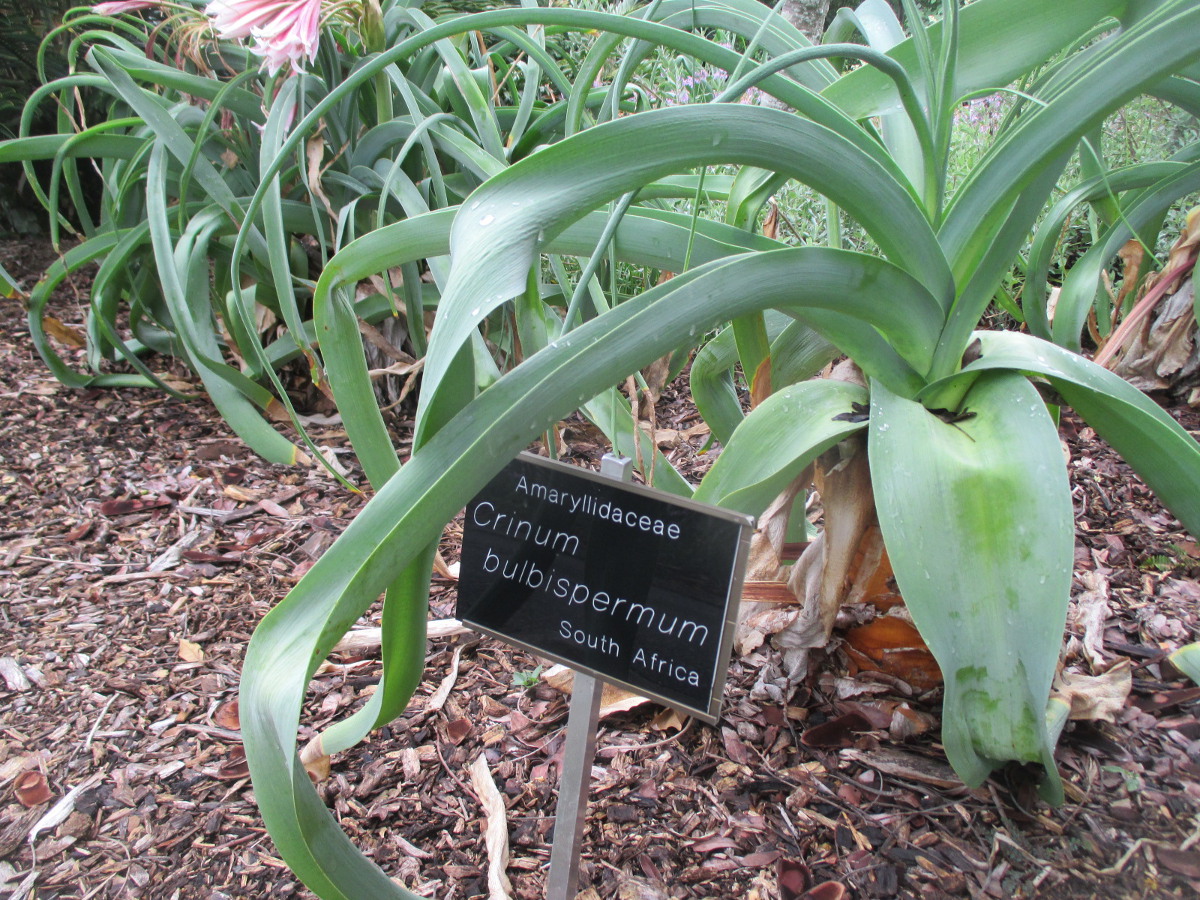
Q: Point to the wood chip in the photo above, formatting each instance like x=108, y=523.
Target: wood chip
x=14, y=676
x=907, y=766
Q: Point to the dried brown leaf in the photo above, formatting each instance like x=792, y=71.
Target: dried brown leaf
x=235, y=766
x=1181, y=862
x=495, y=834
x=457, y=730
x=836, y=733
x=226, y=716
x=112, y=508
x=241, y=494
x=271, y=508
x=63, y=333
x=892, y=645
x=613, y=699
x=31, y=789
x=190, y=651
x=1095, y=696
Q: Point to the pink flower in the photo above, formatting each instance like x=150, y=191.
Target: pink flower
x=284, y=31
x=116, y=7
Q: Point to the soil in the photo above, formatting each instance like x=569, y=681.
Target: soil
x=140, y=543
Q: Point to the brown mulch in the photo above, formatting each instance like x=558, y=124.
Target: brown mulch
x=140, y=543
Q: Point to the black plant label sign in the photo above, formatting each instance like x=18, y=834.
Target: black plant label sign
x=631, y=584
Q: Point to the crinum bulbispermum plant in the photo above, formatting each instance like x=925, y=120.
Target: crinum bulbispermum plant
x=965, y=461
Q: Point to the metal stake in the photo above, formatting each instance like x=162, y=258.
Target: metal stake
x=578, y=754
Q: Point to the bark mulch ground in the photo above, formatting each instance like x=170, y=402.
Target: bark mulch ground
x=140, y=543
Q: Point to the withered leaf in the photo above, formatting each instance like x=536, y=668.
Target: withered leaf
x=836, y=733
x=226, y=716
x=711, y=844
x=457, y=730
x=893, y=645
x=738, y=752
x=233, y=475
x=1181, y=862
x=829, y=890
x=190, y=652
x=124, y=507
x=235, y=766
x=31, y=789
x=63, y=332
x=793, y=878
x=203, y=556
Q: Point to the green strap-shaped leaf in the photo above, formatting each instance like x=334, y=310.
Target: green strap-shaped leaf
x=798, y=352
x=1187, y=660
x=611, y=413
x=805, y=101
x=1163, y=454
x=825, y=271
x=504, y=224
x=1180, y=91
x=996, y=46
x=244, y=103
x=777, y=440
x=183, y=270
x=771, y=31
x=980, y=282
x=994, y=203
x=1045, y=241
x=171, y=135
x=410, y=510
x=977, y=520
x=713, y=390
x=47, y=146
x=648, y=237
x=74, y=259
x=1083, y=280
x=876, y=21
x=8, y=284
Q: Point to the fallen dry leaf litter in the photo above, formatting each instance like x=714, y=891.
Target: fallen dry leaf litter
x=140, y=543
